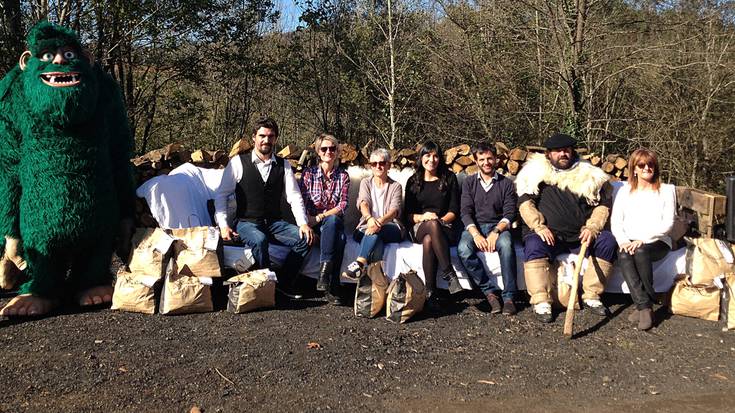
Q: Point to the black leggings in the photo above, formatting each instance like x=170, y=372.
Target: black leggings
x=638, y=272
x=431, y=235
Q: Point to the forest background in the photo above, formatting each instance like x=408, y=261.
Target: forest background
x=616, y=74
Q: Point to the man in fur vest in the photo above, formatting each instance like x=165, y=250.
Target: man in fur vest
x=564, y=202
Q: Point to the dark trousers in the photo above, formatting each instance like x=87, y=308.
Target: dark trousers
x=603, y=247
x=637, y=272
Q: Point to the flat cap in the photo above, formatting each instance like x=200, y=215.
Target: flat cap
x=560, y=140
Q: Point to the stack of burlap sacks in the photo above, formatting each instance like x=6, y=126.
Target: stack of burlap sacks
x=173, y=270
x=403, y=298
x=707, y=290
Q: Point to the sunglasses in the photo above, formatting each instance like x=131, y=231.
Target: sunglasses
x=642, y=165
x=325, y=149
x=379, y=163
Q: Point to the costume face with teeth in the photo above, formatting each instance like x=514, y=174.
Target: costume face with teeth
x=59, y=82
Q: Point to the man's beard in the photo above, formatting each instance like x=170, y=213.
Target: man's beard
x=558, y=163
x=266, y=149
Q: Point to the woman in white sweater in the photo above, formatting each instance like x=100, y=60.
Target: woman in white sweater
x=642, y=216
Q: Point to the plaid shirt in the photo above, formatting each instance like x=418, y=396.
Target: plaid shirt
x=321, y=194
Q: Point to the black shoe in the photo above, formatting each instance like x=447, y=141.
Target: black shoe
x=289, y=292
x=325, y=273
x=432, y=304
x=453, y=281
x=334, y=299
x=598, y=310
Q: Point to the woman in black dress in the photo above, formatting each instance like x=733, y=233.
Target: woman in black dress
x=431, y=205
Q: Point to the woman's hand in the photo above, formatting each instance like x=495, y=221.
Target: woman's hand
x=428, y=216
x=373, y=226
x=631, y=247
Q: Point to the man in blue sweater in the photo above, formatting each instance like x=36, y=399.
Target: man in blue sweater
x=488, y=206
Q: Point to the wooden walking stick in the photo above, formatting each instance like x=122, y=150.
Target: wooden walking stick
x=569, y=318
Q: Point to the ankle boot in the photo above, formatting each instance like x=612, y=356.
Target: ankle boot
x=645, y=321
x=450, y=276
x=325, y=274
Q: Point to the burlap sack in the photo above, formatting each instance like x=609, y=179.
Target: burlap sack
x=252, y=290
x=695, y=300
x=708, y=258
x=406, y=297
x=196, y=248
x=727, y=308
x=371, y=291
x=184, y=294
x=560, y=289
x=135, y=293
x=149, y=254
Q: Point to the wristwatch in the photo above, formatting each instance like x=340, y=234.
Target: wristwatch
x=496, y=230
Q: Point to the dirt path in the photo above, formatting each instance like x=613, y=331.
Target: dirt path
x=466, y=360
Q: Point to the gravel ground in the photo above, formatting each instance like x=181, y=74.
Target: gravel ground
x=462, y=360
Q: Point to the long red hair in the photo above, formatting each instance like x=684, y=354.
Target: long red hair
x=645, y=156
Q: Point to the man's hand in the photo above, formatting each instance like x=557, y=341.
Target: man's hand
x=305, y=231
x=480, y=242
x=492, y=238
x=586, y=236
x=227, y=233
x=547, y=236
x=631, y=247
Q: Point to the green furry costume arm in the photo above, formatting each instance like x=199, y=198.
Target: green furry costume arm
x=9, y=158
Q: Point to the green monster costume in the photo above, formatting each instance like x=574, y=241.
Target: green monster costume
x=66, y=184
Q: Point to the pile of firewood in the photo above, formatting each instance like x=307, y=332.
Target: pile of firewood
x=458, y=159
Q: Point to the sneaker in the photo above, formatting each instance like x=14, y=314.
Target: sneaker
x=353, y=271
x=495, y=306
x=597, y=308
x=543, y=312
x=509, y=308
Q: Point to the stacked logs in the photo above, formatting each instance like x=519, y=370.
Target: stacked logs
x=458, y=159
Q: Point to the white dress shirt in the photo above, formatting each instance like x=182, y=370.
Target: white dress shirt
x=232, y=176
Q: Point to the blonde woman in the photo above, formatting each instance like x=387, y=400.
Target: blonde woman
x=324, y=188
x=379, y=202
x=642, y=216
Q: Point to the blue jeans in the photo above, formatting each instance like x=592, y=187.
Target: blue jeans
x=467, y=251
x=258, y=235
x=371, y=246
x=332, y=239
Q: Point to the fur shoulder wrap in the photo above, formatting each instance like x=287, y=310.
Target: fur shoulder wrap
x=582, y=179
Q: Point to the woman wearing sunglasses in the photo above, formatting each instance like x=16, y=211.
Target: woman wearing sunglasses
x=431, y=205
x=324, y=188
x=379, y=202
x=642, y=216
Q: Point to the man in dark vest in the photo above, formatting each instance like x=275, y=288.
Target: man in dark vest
x=263, y=183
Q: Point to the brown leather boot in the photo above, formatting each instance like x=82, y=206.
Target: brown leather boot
x=634, y=317
x=646, y=319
